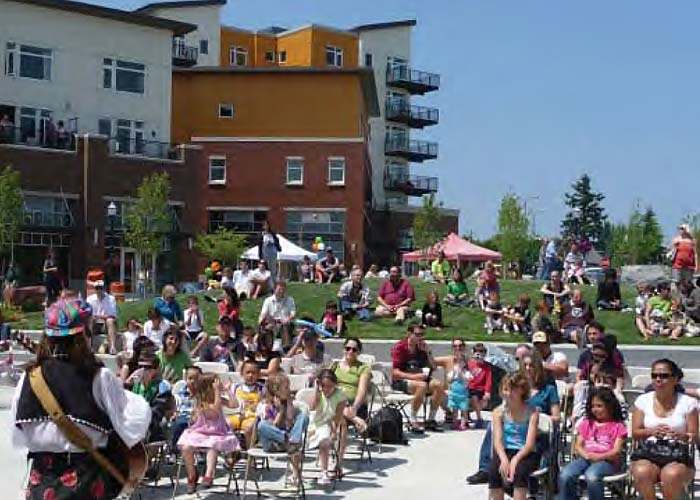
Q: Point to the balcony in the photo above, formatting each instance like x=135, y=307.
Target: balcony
x=411, y=185
x=184, y=55
x=400, y=110
x=416, y=82
x=40, y=218
x=147, y=149
x=415, y=151
x=42, y=138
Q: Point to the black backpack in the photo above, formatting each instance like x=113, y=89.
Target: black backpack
x=386, y=426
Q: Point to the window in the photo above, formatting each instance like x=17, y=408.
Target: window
x=28, y=61
x=305, y=225
x=336, y=171
x=47, y=211
x=239, y=56
x=204, y=46
x=283, y=56
x=295, y=171
x=104, y=126
x=225, y=110
x=217, y=170
x=32, y=125
x=270, y=56
x=129, y=137
x=368, y=60
x=334, y=56
x=239, y=221
x=123, y=76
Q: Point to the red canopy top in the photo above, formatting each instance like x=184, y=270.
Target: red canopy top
x=455, y=248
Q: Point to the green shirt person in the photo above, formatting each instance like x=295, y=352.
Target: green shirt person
x=457, y=292
x=440, y=268
x=174, y=359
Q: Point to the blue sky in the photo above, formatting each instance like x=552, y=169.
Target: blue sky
x=536, y=93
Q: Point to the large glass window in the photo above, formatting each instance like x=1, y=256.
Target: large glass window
x=334, y=56
x=303, y=226
x=47, y=211
x=130, y=137
x=240, y=221
x=28, y=61
x=239, y=56
x=123, y=76
x=32, y=125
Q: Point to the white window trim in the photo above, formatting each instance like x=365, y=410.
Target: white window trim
x=337, y=51
x=113, y=87
x=233, y=51
x=216, y=182
x=274, y=56
x=286, y=171
x=332, y=159
x=233, y=111
x=279, y=56
x=17, y=60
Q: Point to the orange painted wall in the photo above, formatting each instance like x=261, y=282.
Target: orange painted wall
x=276, y=104
x=264, y=43
x=323, y=38
x=298, y=47
x=230, y=38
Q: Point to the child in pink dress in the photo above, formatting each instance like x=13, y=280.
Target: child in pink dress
x=208, y=431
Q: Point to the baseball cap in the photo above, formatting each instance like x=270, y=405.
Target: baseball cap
x=539, y=338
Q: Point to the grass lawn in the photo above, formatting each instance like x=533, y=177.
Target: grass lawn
x=467, y=323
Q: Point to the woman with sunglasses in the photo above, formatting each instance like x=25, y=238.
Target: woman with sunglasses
x=663, y=423
x=353, y=379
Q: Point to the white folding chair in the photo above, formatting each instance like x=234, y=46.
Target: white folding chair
x=286, y=365
x=367, y=359
x=298, y=382
x=545, y=474
x=212, y=367
x=641, y=381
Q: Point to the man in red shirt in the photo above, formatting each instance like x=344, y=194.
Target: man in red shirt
x=412, y=365
x=395, y=296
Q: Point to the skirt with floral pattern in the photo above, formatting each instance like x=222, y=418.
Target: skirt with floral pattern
x=63, y=476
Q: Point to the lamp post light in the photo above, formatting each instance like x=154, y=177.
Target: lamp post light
x=112, y=214
x=576, y=214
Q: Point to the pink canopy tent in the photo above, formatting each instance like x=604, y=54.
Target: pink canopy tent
x=455, y=248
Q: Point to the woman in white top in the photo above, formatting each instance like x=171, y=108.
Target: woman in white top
x=664, y=417
x=155, y=327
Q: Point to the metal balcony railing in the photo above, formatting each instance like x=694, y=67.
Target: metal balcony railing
x=39, y=218
x=413, y=80
x=401, y=110
x=43, y=138
x=412, y=185
x=183, y=54
x=148, y=149
x=412, y=150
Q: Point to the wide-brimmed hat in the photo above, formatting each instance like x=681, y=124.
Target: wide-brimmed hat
x=66, y=317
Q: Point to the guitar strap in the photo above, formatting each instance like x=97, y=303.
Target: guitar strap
x=70, y=429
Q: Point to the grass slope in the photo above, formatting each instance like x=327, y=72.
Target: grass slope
x=466, y=323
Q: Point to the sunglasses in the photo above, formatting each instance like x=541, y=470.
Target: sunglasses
x=458, y=346
x=660, y=376
x=351, y=349
x=479, y=352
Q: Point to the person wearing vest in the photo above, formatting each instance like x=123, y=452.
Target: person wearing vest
x=90, y=396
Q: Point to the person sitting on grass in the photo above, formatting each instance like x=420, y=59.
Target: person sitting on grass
x=487, y=282
x=395, y=296
x=644, y=292
x=432, y=311
x=542, y=322
x=609, y=297
x=260, y=281
x=515, y=454
x=328, y=268
x=480, y=384
x=355, y=297
x=412, y=363
x=577, y=274
x=332, y=320
x=555, y=292
x=306, y=270
x=600, y=437
x=494, y=314
x=241, y=280
x=575, y=317
x=457, y=292
x=167, y=306
x=440, y=268
x=517, y=319
x=658, y=314
x=194, y=319
x=244, y=398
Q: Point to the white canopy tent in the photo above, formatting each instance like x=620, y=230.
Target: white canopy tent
x=290, y=252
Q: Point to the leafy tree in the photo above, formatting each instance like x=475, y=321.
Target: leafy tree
x=224, y=245
x=149, y=218
x=11, y=208
x=426, y=231
x=586, y=217
x=513, y=230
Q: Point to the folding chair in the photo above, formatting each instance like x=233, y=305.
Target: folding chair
x=368, y=359
x=545, y=475
x=258, y=454
x=228, y=467
x=212, y=367
x=641, y=381
x=688, y=494
x=391, y=398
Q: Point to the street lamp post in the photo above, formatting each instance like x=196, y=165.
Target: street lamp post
x=576, y=214
x=112, y=214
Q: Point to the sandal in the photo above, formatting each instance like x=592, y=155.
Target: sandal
x=207, y=482
x=192, y=485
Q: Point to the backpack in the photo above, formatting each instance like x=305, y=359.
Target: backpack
x=386, y=426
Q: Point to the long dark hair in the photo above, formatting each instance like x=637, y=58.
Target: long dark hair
x=141, y=343
x=173, y=330
x=609, y=400
x=72, y=349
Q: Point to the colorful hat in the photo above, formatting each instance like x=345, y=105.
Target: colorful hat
x=66, y=317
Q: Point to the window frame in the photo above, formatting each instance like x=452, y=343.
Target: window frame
x=222, y=106
x=13, y=57
x=331, y=160
x=234, y=51
x=282, y=56
x=270, y=59
x=337, y=55
x=369, y=60
x=288, y=161
x=216, y=182
x=113, y=68
x=204, y=46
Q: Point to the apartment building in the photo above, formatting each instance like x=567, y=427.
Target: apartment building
x=85, y=114
x=287, y=145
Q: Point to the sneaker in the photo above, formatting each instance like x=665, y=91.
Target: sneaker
x=433, y=426
x=324, y=479
x=480, y=477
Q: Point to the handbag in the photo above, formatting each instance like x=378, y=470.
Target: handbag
x=133, y=461
x=662, y=452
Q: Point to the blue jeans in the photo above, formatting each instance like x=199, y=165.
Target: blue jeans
x=364, y=313
x=269, y=434
x=593, y=471
x=485, y=451
x=549, y=266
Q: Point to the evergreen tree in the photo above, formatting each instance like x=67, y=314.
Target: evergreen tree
x=653, y=237
x=586, y=217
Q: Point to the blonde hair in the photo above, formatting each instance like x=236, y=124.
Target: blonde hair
x=516, y=380
x=169, y=291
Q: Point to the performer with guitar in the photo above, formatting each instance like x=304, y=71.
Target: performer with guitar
x=80, y=426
